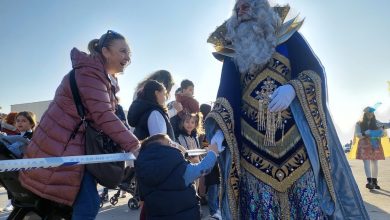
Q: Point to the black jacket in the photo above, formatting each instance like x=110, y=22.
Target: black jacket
x=160, y=171
x=138, y=115
x=175, y=121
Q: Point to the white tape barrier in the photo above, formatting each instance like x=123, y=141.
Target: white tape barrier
x=36, y=163
x=196, y=152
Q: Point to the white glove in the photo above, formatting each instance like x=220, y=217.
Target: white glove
x=218, y=139
x=281, y=98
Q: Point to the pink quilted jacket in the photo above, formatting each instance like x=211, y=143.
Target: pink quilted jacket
x=62, y=184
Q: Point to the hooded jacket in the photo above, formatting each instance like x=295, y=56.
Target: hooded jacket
x=138, y=115
x=160, y=171
x=50, y=138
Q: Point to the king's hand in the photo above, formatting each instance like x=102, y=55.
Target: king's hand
x=281, y=98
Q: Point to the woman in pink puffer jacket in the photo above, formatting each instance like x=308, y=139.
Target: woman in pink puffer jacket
x=95, y=77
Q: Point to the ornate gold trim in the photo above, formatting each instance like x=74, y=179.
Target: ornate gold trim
x=222, y=114
x=278, y=68
x=255, y=137
x=282, y=59
x=277, y=65
x=287, y=182
x=308, y=89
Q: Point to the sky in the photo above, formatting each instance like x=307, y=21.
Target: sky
x=350, y=37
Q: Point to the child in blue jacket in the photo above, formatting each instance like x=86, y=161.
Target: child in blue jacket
x=165, y=179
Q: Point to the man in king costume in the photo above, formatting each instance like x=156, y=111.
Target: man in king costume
x=282, y=158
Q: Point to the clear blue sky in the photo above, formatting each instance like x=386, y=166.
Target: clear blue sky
x=350, y=37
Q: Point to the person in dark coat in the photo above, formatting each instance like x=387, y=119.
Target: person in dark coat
x=168, y=191
x=148, y=114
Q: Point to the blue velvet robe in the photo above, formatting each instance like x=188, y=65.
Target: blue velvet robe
x=344, y=202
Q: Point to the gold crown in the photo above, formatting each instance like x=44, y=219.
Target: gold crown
x=283, y=32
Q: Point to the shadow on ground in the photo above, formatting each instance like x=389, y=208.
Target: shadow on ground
x=376, y=213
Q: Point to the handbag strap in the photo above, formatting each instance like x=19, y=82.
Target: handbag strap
x=76, y=95
x=77, y=100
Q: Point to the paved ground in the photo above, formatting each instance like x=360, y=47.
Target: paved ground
x=377, y=201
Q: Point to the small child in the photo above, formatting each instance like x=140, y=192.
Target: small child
x=25, y=123
x=165, y=179
x=189, y=129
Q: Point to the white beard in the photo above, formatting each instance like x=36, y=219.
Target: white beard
x=254, y=41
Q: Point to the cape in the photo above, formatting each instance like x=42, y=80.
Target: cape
x=339, y=195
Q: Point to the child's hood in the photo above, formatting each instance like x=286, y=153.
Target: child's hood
x=156, y=163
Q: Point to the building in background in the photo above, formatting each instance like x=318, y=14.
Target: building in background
x=37, y=107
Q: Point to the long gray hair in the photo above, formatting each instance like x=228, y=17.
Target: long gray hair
x=254, y=40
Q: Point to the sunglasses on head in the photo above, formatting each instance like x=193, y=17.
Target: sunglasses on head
x=109, y=32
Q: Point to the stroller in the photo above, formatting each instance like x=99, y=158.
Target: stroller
x=24, y=201
x=129, y=185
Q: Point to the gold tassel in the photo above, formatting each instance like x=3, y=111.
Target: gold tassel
x=279, y=120
x=266, y=120
x=284, y=205
x=260, y=116
x=270, y=130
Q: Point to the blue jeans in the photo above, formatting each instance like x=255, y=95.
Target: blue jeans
x=212, y=195
x=87, y=201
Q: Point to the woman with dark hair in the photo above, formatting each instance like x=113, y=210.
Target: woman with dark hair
x=148, y=113
x=161, y=76
x=369, y=148
x=95, y=76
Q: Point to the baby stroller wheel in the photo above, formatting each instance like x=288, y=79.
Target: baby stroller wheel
x=114, y=200
x=103, y=198
x=133, y=204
